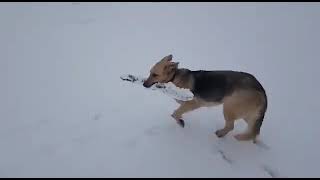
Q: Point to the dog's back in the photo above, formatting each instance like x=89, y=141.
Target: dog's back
x=215, y=85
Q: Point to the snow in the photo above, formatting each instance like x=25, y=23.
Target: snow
x=65, y=112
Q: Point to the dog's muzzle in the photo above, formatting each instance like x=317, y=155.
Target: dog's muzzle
x=146, y=84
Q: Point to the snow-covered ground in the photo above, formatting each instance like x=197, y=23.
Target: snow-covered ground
x=65, y=112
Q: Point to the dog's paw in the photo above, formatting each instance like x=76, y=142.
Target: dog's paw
x=180, y=122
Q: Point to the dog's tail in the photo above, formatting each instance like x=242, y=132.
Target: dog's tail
x=258, y=122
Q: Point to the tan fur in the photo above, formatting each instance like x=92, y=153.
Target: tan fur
x=183, y=82
x=164, y=71
x=241, y=104
x=245, y=105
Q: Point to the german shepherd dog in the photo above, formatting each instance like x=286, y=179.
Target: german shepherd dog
x=241, y=94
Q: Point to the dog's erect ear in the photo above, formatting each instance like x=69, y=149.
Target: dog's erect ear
x=175, y=65
x=172, y=66
x=167, y=58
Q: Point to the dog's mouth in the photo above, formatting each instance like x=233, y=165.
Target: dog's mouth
x=148, y=85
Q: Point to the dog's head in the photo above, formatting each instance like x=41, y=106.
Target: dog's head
x=162, y=72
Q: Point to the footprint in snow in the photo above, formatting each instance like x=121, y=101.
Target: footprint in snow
x=152, y=131
x=97, y=117
x=270, y=171
x=224, y=157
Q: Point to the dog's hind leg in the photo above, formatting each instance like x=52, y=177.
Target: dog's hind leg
x=230, y=118
x=248, y=105
x=251, y=131
x=248, y=135
x=229, y=125
x=254, y=119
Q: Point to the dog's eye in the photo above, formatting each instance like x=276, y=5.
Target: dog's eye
x=154, y=75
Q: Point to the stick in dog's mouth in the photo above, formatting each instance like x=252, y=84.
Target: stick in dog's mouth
x=167, y=88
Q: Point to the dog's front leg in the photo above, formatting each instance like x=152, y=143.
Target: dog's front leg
x=184, y=107
x=179, y=101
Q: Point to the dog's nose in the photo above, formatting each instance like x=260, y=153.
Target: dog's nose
x=145, y=84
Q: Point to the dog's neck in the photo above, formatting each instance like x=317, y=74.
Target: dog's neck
x=173, y=76
x=182, y=79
